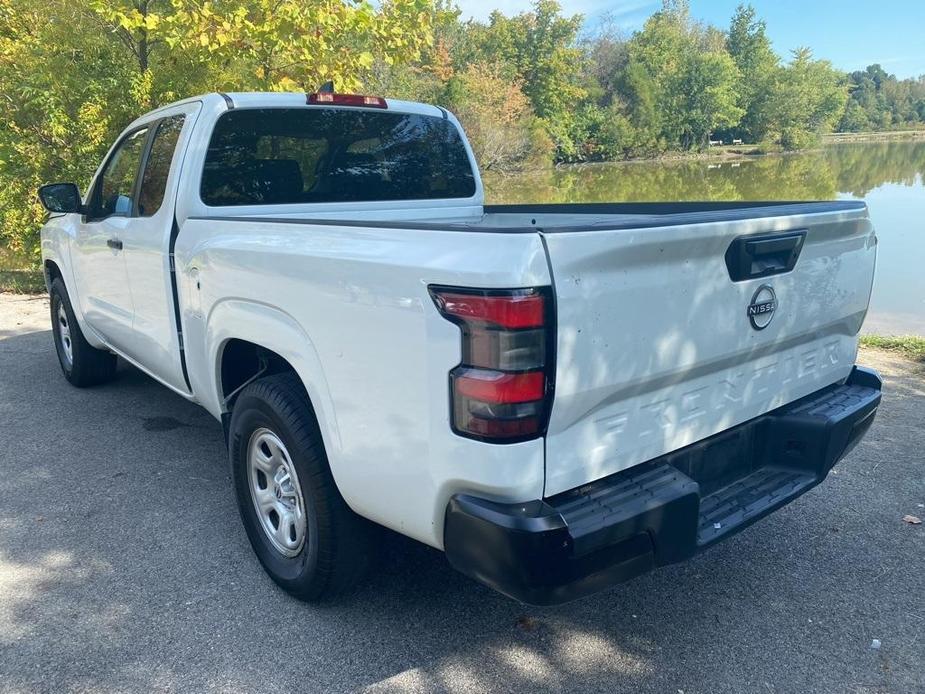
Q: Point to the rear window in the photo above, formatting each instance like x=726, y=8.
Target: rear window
x=282, y=156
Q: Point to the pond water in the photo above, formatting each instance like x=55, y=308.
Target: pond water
x=890, y=176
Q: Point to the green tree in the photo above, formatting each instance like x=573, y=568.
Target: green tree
x=66, y=87
x=641, y=91
x=879, y=100
x=73, y=74
x=538, y=49
x=855, y=118
x=810, y=100
x=759, y=69
x=689, y=73
x=605, y=60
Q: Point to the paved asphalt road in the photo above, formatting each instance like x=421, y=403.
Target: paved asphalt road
x=123, y=566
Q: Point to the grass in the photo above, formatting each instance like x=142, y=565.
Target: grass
x=908, y=345
x=22, y=281
x=18, y=275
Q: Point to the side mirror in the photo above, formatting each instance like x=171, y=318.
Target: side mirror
x=61, y=198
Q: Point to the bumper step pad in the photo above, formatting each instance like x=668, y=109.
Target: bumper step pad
x=610, y=514
x=751, y=497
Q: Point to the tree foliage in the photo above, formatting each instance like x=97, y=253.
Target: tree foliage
x=809, y=100
x=502, y=127
x=288, y=45
x=759, y=72
x=530, y=88
x=537, y=50
x=880, y=101
x=73, y=74
x=692, y=78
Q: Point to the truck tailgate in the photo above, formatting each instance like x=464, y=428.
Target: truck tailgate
x=656, y=348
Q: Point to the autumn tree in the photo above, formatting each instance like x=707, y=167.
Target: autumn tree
x=74, y=73
x=499, y=120
x=290, y=45
x=66, y=88
x=528, y=86
x=539, y=50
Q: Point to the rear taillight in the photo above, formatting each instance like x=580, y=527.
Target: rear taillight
x=502, y=389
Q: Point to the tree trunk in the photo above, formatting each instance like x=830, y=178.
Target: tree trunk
x=144, y=48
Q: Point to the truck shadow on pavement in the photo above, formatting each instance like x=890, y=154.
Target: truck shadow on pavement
x=123, y=564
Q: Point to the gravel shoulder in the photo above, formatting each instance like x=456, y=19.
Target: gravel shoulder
x=124, y=567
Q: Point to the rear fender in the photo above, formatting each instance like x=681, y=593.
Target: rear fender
x=278, y=332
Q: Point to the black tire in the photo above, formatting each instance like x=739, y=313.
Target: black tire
x=87, y=365
x=337, y=546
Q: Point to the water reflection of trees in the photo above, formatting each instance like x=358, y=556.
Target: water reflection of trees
x=849, y=168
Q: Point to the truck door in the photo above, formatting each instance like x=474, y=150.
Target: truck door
x=148, y=247
x=105, y=294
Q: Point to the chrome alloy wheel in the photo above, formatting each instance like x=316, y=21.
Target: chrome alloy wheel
x=64, y=334
x=275, y=490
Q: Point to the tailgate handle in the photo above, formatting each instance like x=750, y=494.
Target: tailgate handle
x=762, y=255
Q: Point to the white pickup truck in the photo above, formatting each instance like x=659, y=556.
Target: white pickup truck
x=560, y=397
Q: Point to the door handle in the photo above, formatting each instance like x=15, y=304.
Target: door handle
x=115, y=244
x=762, y=255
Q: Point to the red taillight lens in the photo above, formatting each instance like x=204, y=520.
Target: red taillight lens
x=497, y=387
x=513, y=311
x=347, y=100
x=502, y=389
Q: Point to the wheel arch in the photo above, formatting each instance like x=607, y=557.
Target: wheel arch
x=248, y=339
x=52, y=271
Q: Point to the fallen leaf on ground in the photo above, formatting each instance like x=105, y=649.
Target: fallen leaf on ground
x=912, y=520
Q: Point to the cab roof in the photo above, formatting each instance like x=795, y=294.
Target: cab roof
x=234, y=100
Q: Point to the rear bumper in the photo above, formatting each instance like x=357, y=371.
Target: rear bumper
x=557, y=549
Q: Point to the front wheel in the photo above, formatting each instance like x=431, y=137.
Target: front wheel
x=82, y=364
x=307, y=538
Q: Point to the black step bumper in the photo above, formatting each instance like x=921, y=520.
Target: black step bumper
x=553, y=550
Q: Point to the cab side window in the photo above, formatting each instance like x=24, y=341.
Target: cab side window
x=113, y=195
x=157, y=167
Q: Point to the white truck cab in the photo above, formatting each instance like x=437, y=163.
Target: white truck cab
x=558, y=396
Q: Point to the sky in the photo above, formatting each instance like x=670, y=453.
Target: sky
x=851, y=33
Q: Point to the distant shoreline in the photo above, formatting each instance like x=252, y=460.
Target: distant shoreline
x=722, y=153
x=874, y=136
x=749, y=151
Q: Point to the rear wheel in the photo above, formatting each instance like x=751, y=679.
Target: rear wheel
x=82, y=364
x=307, y=538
